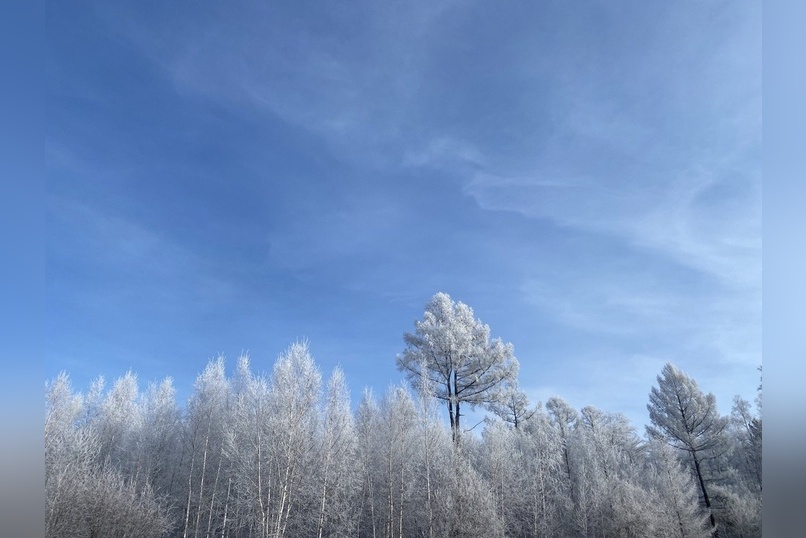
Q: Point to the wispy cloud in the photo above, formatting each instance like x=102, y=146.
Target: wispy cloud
x=317, y=73
x=591, y=178
x=707, y=223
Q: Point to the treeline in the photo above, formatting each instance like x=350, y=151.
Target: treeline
x=282, y=454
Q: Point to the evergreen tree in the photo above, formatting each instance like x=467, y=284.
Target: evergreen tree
x=687, y=419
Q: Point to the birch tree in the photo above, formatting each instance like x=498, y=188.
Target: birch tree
x=434, y=465
x=544, y=477
x=249, y=455
x=368, y=424
x=159, y=443
x=208, y=412
x=338, y=469
x=563, y=418
x=502, y=468
x=85, y=495
x=612, y=460
x=119, y=423
x=398, y=434
x=294, y=398
x=472, y=510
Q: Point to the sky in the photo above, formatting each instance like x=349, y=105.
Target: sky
x=232, y=177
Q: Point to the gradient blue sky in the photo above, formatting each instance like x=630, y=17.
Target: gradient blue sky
x=234, y=176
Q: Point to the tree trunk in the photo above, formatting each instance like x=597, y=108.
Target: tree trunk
x=705, y=497
x=428, y=482
x=372, y=505
x=201, y=482
x=453, y=391
x=226, y=507
x=400, y=526
x=452, y=417
x=458, y=417
x=190, y=484
x=390, y=500
x=212, y=498
x=324, y=496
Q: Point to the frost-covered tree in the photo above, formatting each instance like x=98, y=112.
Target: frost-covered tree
x=273, y=449
x=159, y=442
x=463, y=365
x=615, y=444
x=543, y=478
x=67, y=449
x=737, y=496
x=249, y=455
x=687, y=419
x=399, y=417
x=564, y=417
x=501, y=466
x=676, y=498
x=745, y=429
x=608, y=455
x=207, y=415
x=86, y=494
x=294, y=403
x=434, y=449
x=471, y=504
x=119, y=422
x=513, y=406
x=260, y=455
x=339, y=473
x=368, y=424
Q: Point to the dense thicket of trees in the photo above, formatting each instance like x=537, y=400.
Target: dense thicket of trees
x=257, y=455
x=282, y=454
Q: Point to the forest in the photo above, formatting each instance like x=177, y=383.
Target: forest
x=285, y=453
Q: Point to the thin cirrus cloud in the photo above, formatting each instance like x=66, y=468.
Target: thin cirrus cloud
x=676, y=218
x=313, y=70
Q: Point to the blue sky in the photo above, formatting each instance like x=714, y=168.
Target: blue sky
x=234, y=176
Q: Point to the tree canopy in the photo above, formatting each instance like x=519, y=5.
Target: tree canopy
x=452, y=351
